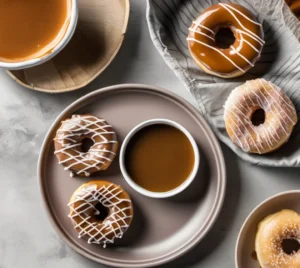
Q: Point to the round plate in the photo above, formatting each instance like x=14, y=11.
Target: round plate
x=245, y=247
x=162, y=229
x=99, y=35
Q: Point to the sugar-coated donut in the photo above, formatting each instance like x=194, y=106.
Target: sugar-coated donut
x=241, y=55
x=84, y=212
x=270, y=235
x=68, y=144
x=280, y=116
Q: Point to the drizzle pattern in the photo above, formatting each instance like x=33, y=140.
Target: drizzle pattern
x=280, y=116
x=82, y=209
x=247, y=39
x=68, y=144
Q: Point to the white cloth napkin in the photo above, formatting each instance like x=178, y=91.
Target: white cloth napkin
x=169, y=21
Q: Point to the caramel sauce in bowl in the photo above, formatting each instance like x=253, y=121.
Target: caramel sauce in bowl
x=32, y=32
x=159, y=158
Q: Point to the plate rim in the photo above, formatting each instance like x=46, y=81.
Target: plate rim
x=92, y=78
x=253, y=211
x=212, y=216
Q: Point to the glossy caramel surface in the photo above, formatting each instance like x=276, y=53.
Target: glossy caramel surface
x=28, y=26
x=159, y=158
x=241, y=55
x=294, y=6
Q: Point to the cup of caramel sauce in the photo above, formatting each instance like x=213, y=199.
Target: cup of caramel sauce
x=34, y=31
x=159, y=158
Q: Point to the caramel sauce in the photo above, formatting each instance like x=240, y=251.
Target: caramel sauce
x=294, y=6
x=27, y=27
x=159, y=158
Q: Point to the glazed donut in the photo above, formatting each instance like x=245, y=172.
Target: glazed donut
x=279, y=117
x=68, y=144
x=241, y=55
x=270, y=235
x=85, y=215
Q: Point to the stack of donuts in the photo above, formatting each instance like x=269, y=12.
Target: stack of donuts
x=259, y=116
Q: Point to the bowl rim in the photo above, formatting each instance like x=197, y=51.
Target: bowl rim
x=93, y=77
x=63, y=42
x=251, y=214
x=142, y=190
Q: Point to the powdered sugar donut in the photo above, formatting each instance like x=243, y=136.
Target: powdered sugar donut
x=272, y=231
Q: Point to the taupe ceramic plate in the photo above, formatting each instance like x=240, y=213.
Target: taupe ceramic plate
x=162, y=229
x=245, y=247
x=99, y=35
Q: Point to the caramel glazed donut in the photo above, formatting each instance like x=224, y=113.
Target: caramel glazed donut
x=280, y=117
x=68, y=144
x=294, y=6
x=241, y=55
x=85, y=215
x=270, y=235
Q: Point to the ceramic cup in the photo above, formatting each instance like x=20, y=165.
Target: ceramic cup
x=148, y=193
x=64, y=41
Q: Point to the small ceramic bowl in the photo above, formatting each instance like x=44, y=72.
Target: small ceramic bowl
x=99, y=35
x=65, y=40
x=148, y=193
x=245, y=256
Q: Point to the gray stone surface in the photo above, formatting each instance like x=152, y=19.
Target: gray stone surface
x=26, y=237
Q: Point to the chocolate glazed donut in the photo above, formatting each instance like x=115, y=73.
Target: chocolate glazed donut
x=241, y=55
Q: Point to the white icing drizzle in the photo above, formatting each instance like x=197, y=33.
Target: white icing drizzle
x=260, y=101
x=250, y=124
x=239, y=119
x=247, y=131
x=275, y=101
x=204, y=27
x=217, y=50
x=113, y=226
x=276, y=116
x=243, y=57
x=84, y=126
x=247, y=32
x=196, y=31
x=227, y=7
x=244, y=40
x=232, y=130
x=254, y=37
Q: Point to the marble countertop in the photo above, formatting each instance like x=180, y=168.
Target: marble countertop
x=26, y=237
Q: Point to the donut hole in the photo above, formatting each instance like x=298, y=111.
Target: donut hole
x=290, y=246
x=224, y=38
x=86, y=144
x=258, y=117
x=101, y=212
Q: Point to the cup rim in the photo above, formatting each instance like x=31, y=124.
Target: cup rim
x=172, y=192
x=63, y=42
